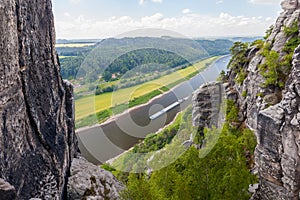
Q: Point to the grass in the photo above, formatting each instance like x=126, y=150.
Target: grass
x=91, y=104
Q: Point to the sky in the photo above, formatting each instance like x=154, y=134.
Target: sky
x=98, y=19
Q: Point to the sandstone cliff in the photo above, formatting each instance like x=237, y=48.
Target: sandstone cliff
x=272, y=112
x=37, y=139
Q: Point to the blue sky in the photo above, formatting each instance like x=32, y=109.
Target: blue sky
x=76, y=19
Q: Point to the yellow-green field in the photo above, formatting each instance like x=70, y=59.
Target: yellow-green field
x=91, y=104
x=74, y=45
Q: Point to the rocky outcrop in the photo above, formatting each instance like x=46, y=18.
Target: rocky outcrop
x=37, y=141
x=91, y=182
x=206, y=106
x=273, y=114
x=278, y=153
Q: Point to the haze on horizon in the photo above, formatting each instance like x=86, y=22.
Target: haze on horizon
x=95, y=19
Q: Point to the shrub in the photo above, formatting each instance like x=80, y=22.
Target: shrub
x=269, y=32
x=293, y=30
x=244, y=94
x=232, y=111
x=241, y=76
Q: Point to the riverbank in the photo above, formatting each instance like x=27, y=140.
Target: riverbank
x=111, y=161
x=108, y=140
x=165, y=84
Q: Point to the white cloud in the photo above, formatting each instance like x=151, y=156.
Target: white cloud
x=141, y=2
x=220, y=2
x=192, y=25
x=157, y=1
x=186, y=11
x=265, y=1
x=66, y=14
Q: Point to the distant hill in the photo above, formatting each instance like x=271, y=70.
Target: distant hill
x=65, y=41
x=118, y=56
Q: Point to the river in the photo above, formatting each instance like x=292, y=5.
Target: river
x=105, y=141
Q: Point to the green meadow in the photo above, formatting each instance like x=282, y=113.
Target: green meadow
x=92, y=104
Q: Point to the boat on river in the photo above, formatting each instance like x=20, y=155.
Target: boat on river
x=170, y=107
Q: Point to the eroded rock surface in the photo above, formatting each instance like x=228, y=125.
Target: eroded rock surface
x=206, y=105
x=37, y=140
x=7, y=191
x=273, y=116
x=91, y=182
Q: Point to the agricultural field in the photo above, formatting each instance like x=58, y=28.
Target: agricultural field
x=91, y=104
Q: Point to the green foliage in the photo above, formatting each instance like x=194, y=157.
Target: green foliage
x=70, y=66
x=266, y=49
x=275, y=70
x=248, y=140
x=292, y=43
x=241, y=76
x=169, y=139
x=143, y=99
x=238, y=48
x=101, y=90
x=293, y=30
x=222, y=77
x=221, y=174
x=271, y=69
x=105, y=114
x=260, y=94
x=258, y=43
x=244, y=94
x=232, y=111
x=72, y=57
x=108, y=167
x=216, y=47
x=268, y=32
x=290, y=46
x=138, y=188
x=156, y=142
x=239, y=60
x=140, y=57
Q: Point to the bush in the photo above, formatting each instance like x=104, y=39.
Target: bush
x=107, y=167
x=241, y=76
x=271, y=70
x=269, y=32
x=258, y=43
x=244, y=94
x=293, y=30
x=232, y=111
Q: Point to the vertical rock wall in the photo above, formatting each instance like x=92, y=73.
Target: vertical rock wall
x=37, y=139
x=275, y=116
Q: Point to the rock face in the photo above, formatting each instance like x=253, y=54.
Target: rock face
x=6, y=190
x=206, y=106
x=278, y=153
x=91, y=182
x=275, y=116
x=37, y=140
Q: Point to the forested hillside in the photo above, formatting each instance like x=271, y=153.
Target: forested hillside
x=134, y=52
